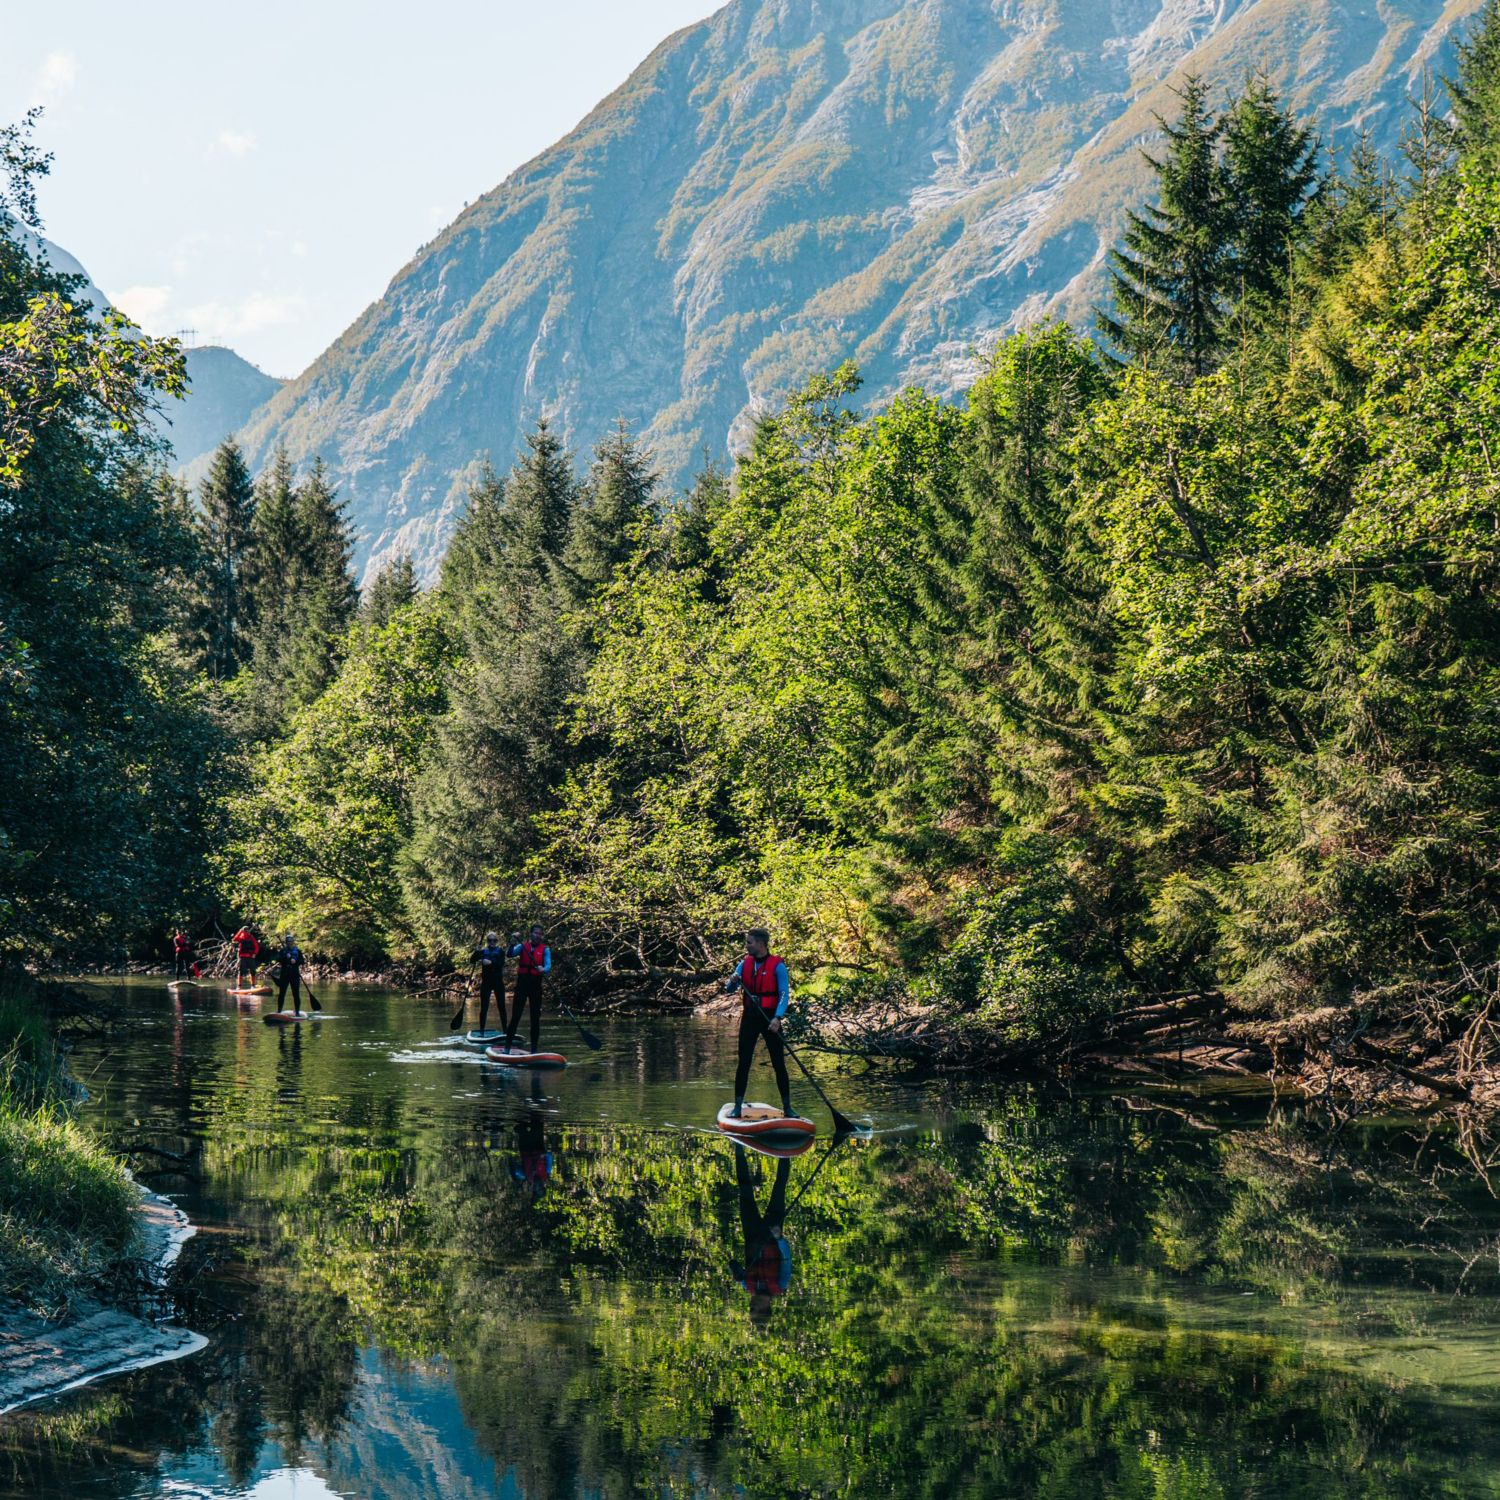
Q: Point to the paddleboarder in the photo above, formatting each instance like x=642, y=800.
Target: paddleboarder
x=762, y=978
x=491, y=961
x=767, y=1270
x=246, y=946
x=183, y=966
x=287, y=960
x=533, y=961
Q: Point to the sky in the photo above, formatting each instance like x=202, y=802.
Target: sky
x=258, y=173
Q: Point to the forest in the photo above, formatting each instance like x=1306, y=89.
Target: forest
x=1163, y=663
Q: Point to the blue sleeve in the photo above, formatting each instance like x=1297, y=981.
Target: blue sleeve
x=514, y=951
x=783, y=991
x=786, y=1264
x=547, y=959
x=732, y=984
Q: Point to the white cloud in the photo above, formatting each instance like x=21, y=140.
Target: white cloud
x=55, y=78
x=222, y=322
x=235, y=142
x=299, y=247
x=145, y=305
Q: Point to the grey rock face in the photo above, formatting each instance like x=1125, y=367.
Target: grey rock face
x=789, y=184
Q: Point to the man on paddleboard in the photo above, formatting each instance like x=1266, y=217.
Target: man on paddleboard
x=287, y=960
x=762, y=977
x=247, y=946
x=183, y=966
x=533, y=960
x=491, y=961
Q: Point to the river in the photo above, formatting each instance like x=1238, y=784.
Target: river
x=424, y=1275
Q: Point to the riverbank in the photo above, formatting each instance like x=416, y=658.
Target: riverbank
x=1415, y=1055
x=81, y=1244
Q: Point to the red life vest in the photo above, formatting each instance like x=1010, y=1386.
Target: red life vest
x=181, y=944
x=533, y=956
x=247, y=944
x=758, y=976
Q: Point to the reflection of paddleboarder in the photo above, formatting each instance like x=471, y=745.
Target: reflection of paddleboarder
x=767, y=1270
x=533, y=1164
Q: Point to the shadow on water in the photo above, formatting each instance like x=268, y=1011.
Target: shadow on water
x=427, y=1276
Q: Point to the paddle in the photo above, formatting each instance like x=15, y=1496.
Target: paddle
x=842, y=1124
x=311, y=996
x=463, y=1004
x=589, y=1039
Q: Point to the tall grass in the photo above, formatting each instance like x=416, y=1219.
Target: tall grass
x=66, y=1204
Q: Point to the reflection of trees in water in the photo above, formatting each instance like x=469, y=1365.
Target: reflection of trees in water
x=957, y=1324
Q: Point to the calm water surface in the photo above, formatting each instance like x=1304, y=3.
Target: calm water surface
x=424, y=1275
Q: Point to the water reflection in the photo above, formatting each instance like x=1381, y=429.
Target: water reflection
x=435, y=1278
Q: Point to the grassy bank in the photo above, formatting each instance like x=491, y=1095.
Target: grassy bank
x=67, y=1208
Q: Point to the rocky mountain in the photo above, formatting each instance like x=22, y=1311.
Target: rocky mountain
x=788, y=184
x=224, y=389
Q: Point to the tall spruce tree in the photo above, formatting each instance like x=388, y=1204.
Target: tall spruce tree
x=500, y=751
x=1476, y=91
x=1170, y=279
x=322, y=595
x=606, y=524
x=1270, y=171
x=394, y=587
x=276, y=548
x=226, y=505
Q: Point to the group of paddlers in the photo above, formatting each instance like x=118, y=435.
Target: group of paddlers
x=533, y=963
x=252, y=953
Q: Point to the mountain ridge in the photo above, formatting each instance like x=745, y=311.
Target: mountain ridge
x=785, y=185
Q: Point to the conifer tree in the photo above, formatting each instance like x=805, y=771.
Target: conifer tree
x=616, y=499
x=1270, y=169
x=1169, y=280
x=690, y=523
x=226, y=502
x=394, y=587
x=540, y=493
x=322, y=593
x=276, y=548
x=1476, y=91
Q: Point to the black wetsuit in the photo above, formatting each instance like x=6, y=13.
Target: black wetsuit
x=288, y=963
x=182, y=967
x=755, y=1027
x=491, y=963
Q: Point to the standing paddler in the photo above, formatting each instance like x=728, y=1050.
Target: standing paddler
x=183, y=966
x=287, y=960
x=491, y=961
x=533, y=961
x=762, y=978
x=246, y=947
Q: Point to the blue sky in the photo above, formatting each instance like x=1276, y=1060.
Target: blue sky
x=259, y=172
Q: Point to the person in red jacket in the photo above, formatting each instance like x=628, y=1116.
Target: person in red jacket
x=761, y=977
x=183, y=966
x=533, y=960
x=247, y=946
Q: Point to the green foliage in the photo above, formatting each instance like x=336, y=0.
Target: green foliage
x=316, y=833
x=67, y=1206
x=104, y=745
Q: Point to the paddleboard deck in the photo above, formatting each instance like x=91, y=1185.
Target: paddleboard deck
x=483, y=1038
x=765, y=1122
x=260, y=989
x=291, y=1017
x=519, y=1057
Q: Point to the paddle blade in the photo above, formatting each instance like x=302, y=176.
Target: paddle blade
x=458, y=1017
x=316, y=1004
